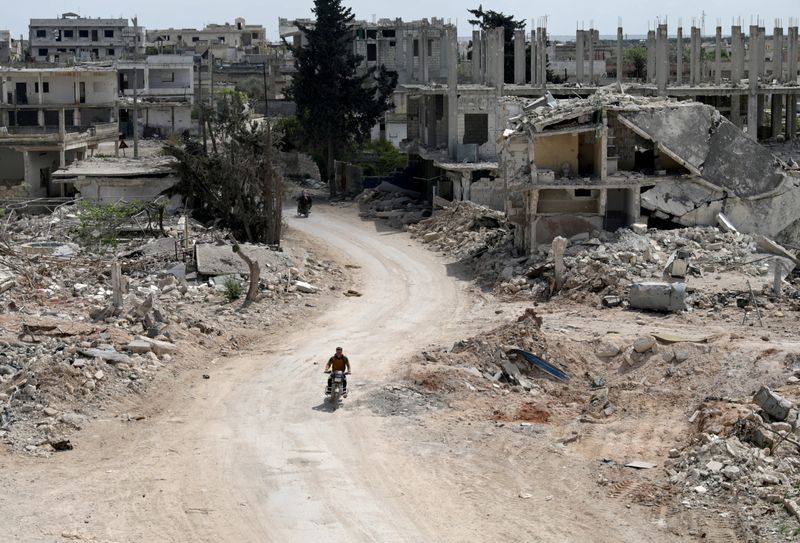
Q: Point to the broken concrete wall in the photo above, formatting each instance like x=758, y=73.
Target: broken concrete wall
x=112, y=189
x=775, y=216
x=546, y=229
x=551, y=152
x=489, y=192
x=684, y=201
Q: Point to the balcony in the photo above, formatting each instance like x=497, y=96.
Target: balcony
x=74, y=136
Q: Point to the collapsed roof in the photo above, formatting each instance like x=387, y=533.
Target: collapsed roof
x=732, y=173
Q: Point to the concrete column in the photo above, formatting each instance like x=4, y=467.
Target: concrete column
x=752, y=75
x=762, y=52
x=679, y=57
x=534, y=72
x=39, y=117
x=651, y=56
x=792, y=61
x=41, y=89
x=476, y=56
x=543, y=58
x=62, y=158
x=76, y=116
x=591, y=56
x=718, y=57
x=519, y=57
x=579, y=56
x=423, y=56
x=737, y=55
x=777, y=114
x=662, y=60
x=410, y=57
x=62, y=125
x=791, y=117
x=495, y=57
x=619, y=55
x=694, y=73
x=777, y=56
x=452, y=91
x=736, y=110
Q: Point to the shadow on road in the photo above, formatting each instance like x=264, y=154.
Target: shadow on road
x=325, y=407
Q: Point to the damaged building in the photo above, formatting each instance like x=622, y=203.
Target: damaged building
x=581, y=165
x=164, y=90
x=48, y=119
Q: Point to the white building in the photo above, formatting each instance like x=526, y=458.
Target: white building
x=49, y=118
x=164, y=91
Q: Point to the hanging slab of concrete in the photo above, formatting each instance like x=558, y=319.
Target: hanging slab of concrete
x=685, y=131
x=221, y=260
x=685, y=201
x=711, y=146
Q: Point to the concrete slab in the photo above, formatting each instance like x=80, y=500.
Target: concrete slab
x=221, y=260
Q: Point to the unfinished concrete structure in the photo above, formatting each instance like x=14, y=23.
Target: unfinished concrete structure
x=48, y=118
x=10, y=49
x=581, y=165
x=74, y=37
x=238, y=36
x=165, y=94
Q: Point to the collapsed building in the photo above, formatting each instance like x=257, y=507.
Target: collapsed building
x=575, y=166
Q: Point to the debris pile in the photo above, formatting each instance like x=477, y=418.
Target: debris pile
x=72, y=338
x=491, y=359
x=398, y=207
x=745, y=460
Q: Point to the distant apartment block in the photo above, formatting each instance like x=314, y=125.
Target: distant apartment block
x=238, y=35
x=74, y=37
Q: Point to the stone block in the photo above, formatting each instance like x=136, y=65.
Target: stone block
x=658, y=296
x=773, y=405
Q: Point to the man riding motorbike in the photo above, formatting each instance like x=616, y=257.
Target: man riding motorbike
x=304, y=203
x=338, y=362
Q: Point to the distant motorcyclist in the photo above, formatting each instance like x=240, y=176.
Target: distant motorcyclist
x=304, y=203
x=338, y=362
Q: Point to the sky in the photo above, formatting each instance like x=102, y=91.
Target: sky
x=563, y=18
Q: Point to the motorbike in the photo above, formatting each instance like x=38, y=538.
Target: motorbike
x=337, y=390
x=303, y=208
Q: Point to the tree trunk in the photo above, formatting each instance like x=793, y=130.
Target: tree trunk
x=272, y=191
x=331, y=168
x=253, y=266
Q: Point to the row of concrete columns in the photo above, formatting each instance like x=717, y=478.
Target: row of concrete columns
x=488, y=57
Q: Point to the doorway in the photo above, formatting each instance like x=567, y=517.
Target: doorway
x=22, y=93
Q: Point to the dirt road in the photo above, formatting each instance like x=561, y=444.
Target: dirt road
x=254, y=454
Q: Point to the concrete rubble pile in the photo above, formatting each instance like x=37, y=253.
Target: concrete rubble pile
x=398, y=208
x=748, y=457
x=473, y=233
x=486, y=360
x=66, y=350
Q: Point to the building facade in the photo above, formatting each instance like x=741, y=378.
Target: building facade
x=72, y=37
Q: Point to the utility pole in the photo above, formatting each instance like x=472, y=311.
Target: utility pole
x=202, y=105
x=135, y=96
x=266, y=99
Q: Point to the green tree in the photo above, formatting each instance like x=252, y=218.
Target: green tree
x=638, y=57
x=336, y=106
x=236, y=185
x=489, y=19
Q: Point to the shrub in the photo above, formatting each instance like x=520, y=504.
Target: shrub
x=233, y=288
